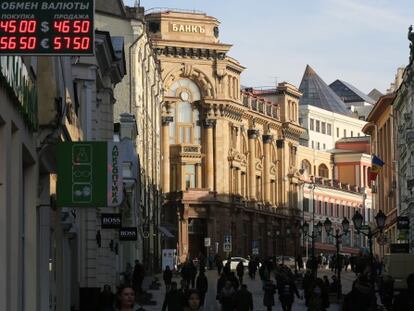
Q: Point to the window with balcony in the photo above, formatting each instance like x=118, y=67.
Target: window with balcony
x=190, y=176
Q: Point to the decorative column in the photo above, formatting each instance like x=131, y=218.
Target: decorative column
x=165, y=137
x=183, y=232
x=198, y=176
x=267, y=140
x=209, y=169
x=252, y=135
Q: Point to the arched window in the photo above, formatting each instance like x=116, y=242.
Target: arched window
x=307, y=168
x=323, y=171
x=185, y=128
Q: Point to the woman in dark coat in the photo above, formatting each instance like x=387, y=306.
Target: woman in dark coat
x=202, y=286
x=269, y=295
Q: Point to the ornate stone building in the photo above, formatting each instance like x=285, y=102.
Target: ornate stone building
x=228, y=156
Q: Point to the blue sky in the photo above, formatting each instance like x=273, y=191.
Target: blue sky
x=359, y=41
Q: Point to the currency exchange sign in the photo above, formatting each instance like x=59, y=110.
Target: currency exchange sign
x=47, y=27
x=89, y=174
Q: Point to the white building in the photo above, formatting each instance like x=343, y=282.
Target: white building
x=324, y=114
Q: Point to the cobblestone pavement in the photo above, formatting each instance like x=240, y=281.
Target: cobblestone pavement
x=254, y=286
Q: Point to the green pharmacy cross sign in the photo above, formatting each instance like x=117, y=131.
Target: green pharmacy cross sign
x=89, y=174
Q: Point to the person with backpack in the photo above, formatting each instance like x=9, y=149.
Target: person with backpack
x=240, y=271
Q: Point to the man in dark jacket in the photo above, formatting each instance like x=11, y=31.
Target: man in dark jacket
x=240, y=271
x=106, y=299
x=362, y=296
x=167, y=276
x=405, y=300
x=287, y=289
x=244, y=299
x=138, y=276
x=202, y=286
x=173, y=299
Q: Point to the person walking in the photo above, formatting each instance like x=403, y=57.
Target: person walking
x=192, y=271
x=405, y=300
x=202, y=286
x=287, y=289
x=252, y=268
x=227, y=296
x=269, y=295
x=318, y=297
x=299, y=262
x=244, y=299
x=125, y=299
x=174, y=299
x=167, y=276
x=138, y=276
x=362, y=296
x=240, y=271
x=193, y=301
x=106, y=299
x=128, y=274
x=219, y=264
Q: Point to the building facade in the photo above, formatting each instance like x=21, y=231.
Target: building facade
x=18, y=184
x=228, y=157
x=381, y=126
x=404, y=112
x=140, y=95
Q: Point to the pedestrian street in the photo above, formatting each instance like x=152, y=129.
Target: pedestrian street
x=255, y=287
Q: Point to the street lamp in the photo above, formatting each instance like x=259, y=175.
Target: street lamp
x=337, y=236
x=313, y=236
x=380, y=219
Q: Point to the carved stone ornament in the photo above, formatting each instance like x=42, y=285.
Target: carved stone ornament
x=267, y=139
x=259, y=165
x=252, y=133
x=209, y=123
x=166, y=120
x=273, y=170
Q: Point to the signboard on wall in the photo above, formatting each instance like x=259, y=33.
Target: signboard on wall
x=47, y=27
x=128, y=234
x=89, y=174
x=111, y=221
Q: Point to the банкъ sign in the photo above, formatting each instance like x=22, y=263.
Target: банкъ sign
x=89, y=174
x=128, y=234
x=47, y=27
x=187, y=28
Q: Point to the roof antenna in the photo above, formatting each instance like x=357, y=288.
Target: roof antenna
x=137, y=3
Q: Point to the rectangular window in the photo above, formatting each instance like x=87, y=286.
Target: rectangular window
x=319, y=146
x=320, y=207
x=344, y=133
x=359, y=134
x=337, y=132
x=189, y=176
x=305, y=204
x=326, y=208
x=243, y=184
x=318, y=126
x=311, y=124
x=352, y=133
x=337, y=211
x=323, y=126
x=328, y=129
x=313, y=144
x=258, y=188
x=324, y=146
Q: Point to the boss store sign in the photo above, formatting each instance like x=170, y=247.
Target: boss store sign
x=128, y=234
x=111, y=221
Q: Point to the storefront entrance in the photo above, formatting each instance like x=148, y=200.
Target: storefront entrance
x=197, y=231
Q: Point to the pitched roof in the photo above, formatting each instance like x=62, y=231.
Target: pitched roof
x=375, y=94
x=349, y=93
x=317, y=93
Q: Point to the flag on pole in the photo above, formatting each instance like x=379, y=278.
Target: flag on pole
x=376, y=166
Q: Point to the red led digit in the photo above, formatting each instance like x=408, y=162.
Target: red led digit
x=12, y=26
x=57, y=43
x=85, y=43
x=31, y=26
x=32, y=43
x=4, y=25
x=85, y=26
x=77, y=26
x=76, y=43
x=23, y=43
x=23, y=26
x=4, y=44
x=12, y=43
x=62, y=26
x=67, y=42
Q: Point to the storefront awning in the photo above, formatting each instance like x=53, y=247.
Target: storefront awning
x=165, y=232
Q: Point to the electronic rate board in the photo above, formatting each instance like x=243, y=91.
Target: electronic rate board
x=47, y=27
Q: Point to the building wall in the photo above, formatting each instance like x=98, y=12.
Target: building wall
x=18, y=201
x=341, y=126
x=229, y=157
x=404, y=114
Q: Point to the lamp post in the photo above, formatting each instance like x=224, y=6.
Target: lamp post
x=380, y=219
x=313, y=236
x=337, y=236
